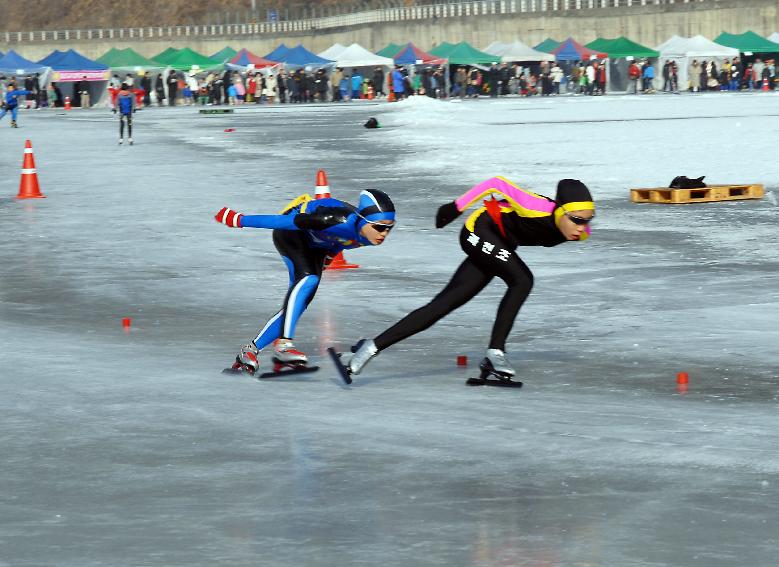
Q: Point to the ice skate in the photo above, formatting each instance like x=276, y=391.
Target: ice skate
x=14, y=124
x=246, y=360
x=364, y=351
x=495, y=371
x=130, y=141
x=121, y=141
x=284, y=352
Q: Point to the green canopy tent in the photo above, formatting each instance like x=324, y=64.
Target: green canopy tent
x=548, y=45
x=747, y=42
x=463, y=53
x=128, y=61
x=166, y=55
x=622, y=47
x=186, y=59
x=224, y=55
x=621, y=52
x=391, y=50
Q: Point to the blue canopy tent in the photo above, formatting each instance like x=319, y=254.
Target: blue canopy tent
x=299, y=56
x=276, y=53
x=69, y=67
x=14, y=64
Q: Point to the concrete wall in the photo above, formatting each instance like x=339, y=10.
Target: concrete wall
x=649, y=25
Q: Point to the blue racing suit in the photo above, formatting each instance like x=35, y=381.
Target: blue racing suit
x=10, y=103
x=305, y=236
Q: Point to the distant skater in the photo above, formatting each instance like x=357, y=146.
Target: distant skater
x=11, y=103
x=125, y=106
x=489, y=239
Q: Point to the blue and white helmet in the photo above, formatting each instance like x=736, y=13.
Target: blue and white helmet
x=374, y=206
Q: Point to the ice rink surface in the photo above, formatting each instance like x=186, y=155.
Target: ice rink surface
x=132, y=450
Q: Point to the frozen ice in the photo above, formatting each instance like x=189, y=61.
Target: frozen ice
x=132, y=449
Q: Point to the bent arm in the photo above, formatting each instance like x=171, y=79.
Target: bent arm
x=522, y=201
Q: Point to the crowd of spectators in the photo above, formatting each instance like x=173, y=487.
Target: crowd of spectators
x=275, y=85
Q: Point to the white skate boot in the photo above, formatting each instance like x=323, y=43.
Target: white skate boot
x=247, y=359
x=495, y=371
x=365, y=351
x=499, y=363
x=284, y=352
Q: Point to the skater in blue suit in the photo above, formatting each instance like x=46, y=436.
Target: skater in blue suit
x=10, y=103
x=308, y=235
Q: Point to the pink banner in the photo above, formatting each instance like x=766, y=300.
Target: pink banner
x=72, y=76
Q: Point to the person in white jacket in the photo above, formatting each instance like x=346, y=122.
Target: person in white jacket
x=590, y=71
x=270, y=87
x=557, y=78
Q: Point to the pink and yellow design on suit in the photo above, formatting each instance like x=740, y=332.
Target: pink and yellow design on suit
x=517, y=200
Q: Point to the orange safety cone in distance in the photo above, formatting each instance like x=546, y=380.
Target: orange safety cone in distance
x=67, y=103
x=28, y=186
x=370, y=93
x=323, y=192
x=391, y=96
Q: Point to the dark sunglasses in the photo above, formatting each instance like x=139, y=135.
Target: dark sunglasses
x=579, y=220
x=381, y=228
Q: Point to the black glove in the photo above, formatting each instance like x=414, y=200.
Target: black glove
x=321, y=218
x=446, y=214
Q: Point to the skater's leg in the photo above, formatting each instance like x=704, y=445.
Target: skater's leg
x=130, y=126
x=466, y=282
x=121, y=126
x=519, y=280
x=304, y=265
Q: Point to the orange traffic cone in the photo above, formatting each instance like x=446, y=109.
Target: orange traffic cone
x=370, y=93
x=28, y=186
x=322, y=188
x=67, y=103
x=323, y=192
x=391, y=96
x=765, y=85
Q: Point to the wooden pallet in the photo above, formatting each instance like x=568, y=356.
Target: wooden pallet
x=216, y=111
x=709, y=194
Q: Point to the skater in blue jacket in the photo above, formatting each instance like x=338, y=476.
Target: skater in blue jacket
x=308, y=235
x=10, y=103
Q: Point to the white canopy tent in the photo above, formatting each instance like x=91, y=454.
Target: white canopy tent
x=774, y=37
x=517, y=51
x=332, y=52
x=684, y=50
x=357, y=56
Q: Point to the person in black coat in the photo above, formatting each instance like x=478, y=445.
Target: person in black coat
x=146, y=86
x=159, y=89
x=493, y=76
x=173, y=88
x=378, y=81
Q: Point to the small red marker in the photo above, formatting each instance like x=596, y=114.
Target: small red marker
x=462, y=360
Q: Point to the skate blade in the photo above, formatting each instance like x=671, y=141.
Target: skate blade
x=342, y=370
x=499, y=382
x=237, y=370
x=287, y=370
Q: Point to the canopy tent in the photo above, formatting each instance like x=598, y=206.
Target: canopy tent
x=684, y=50
x=165, y=56
x=571, y=50
x=224, y=55
x=463, y=54
x=390, y=51
x=621, y=51
x=299, y=56
x=332, y=52
x=747, y=42
x=548, y=45
x=70, y=67
x=517, y=51
x=357, y=56
x=622, y=47
x=277, y=53
x=128, y=61
x=244, y=59
x=774, y=37
x=186, y=59
x=14, y=64
x=412, y=55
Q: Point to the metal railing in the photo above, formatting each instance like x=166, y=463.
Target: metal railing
x=384, y=15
